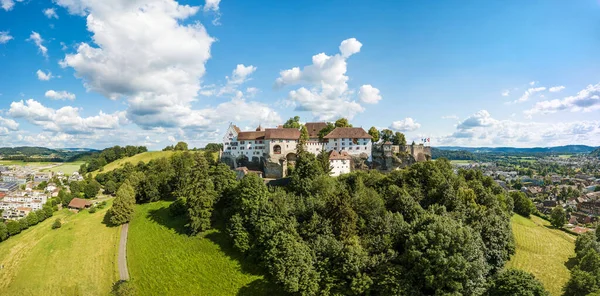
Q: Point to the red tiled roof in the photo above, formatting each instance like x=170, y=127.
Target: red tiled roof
x=237, y=129
x=334, y=155
x=251, y=136
x=314, y=128
x=282, y=133
x=348, y=132
x=78, y=203
x=24, y=209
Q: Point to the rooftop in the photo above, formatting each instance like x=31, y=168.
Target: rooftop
x=348, y=132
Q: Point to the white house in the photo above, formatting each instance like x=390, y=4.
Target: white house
x=354, y=140
x=340, y=163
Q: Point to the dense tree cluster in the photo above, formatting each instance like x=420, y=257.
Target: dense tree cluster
x=11, y=227
x=422, y=230
x=97, y=161
x=585, y=275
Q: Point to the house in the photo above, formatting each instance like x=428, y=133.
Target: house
x=589, y=207
x=581, y=218
x=355, y=140
x=51, y=187
x=243, y=171
x=79, y=204
x=340, y=163
x=8, y=186
x=41, y=177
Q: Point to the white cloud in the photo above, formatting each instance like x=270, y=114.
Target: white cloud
x=8, y=4
x=556, y=88
x=5, y=37
x=479, y=119
x=368, y=94
x=59, y=95
x=453, y=117
x=406, y=125
x=239, y=76
x=533, y=83
x=50, y=13
x=64, y=120
x=505, y=93
x=212, y=5
x=9, y=124
x=483, y=130
x=44, y=76
x=528, y=93
x=586, y=100
x=328, y=95
x=38, y=40
x=252, y=91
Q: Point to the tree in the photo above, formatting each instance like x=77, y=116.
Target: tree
x=374, y=133
x=198, y=190
x=323, y=159
x=23, y=224
x=342, y=122
x=293, y=122
x=181, y=146
x=32, y=219
x=399, y=139
x=3, y=231
x=386, y=135
x=13, y=227
x=110, y=187
x=91, y=189
x=56, y=224
x=522, y=204
x=516, y=282
x=558, y=218
x=326, y=130
x=303, y=138
x=213, y=147
x=122, y=209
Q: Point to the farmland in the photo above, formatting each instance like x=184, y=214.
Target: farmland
x=542, y=251
x=77, y=259
x=164, y=261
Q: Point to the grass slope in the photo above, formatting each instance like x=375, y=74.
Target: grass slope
x=80, y=258
x=542, y=251
x=143, y=157
x=67, y=168
x=163, y=261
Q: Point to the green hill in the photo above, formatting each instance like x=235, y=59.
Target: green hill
x=163, y=261
x=595, y=153
x=542, y=251
x=143, y=157
x=80, y=258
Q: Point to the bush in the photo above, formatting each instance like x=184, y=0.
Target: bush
x=92, y=210
x=23, y=223
x=516, y=282
x=56, y=224
x=3, y=232
x=13, y=227
x=123, y=288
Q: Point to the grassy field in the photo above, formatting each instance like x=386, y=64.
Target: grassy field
x=143, y=157
x=461, y=161
x=80, y=258
x=67, y=168
x=19, y=162
x=163, y=261
x=542, y=251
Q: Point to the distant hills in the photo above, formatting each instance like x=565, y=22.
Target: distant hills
x=26, y=153
x=595, y=153
x=569, y=149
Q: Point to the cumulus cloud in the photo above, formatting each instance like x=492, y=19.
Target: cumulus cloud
x=59, y=95
x=586, y=100
x=528, y=93
x=453, y=117
x=50, y=13
x=38, y=41
x=505, y=93
x=481, y=129
x=406, y=125
x=44, y=76
x=8, y=4
x=64, y=120
x=213, y=6
x=326, y=94
x=5, y=37
x=368, y=94
x=533, y=83
x=556, y=88
x=240, y=75
x=9, y=124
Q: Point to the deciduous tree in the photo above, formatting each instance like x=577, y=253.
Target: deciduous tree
x=558, y=218
x=122, y=209
x=374, y=133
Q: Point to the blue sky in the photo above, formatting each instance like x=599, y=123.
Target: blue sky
x=95, y=73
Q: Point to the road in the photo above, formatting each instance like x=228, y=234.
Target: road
x=123, y=272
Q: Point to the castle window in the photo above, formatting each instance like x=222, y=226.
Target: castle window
x=277, y=149
x=242, y=142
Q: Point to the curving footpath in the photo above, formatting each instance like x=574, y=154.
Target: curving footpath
x=123, y=272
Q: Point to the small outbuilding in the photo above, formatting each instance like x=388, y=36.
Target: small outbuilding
x=79, y=204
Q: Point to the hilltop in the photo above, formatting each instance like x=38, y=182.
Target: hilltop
x=142, y=157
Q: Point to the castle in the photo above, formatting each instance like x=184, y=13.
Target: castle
x=272, y=150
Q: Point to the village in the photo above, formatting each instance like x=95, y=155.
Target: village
x=25, y=189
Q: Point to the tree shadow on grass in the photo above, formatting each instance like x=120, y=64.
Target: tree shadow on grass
x=163, y=217
x=259, y=287
x=571, y=263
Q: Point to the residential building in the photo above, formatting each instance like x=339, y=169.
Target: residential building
x=339, y=162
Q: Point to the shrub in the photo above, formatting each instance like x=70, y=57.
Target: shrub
x=123, y=288
x=13, y=227
x=56, y=224
x=23, y=224
x=92, y=210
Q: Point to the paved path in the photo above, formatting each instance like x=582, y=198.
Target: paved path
x=123, y=272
